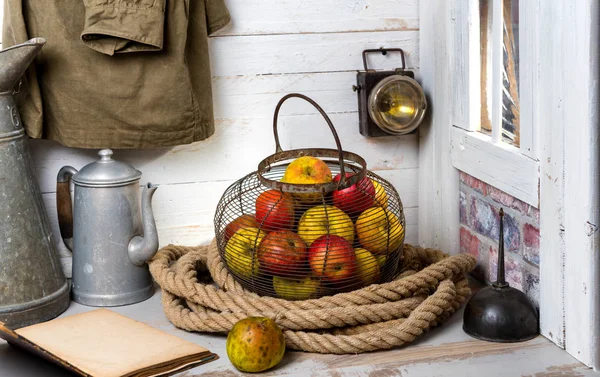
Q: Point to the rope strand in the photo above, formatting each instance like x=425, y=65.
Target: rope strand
x=430, y=288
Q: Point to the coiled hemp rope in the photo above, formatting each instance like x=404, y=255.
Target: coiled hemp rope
x=430, y=288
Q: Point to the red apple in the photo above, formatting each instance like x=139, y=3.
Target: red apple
x=283, y=253
x=356, y=198
x=243, y=221
x=275, y=210
x=332, y=257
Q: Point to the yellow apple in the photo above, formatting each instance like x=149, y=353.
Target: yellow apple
x=240, y=251
x=367, y=266
x=381, y=259
x=296, y=289
x=381, y=198
x=325, y=219
x=379, y=230
x=307, y=170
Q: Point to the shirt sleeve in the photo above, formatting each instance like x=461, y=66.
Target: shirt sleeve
x=121, y=26
x=217, y=15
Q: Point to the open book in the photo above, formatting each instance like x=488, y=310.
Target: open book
x=102, y=343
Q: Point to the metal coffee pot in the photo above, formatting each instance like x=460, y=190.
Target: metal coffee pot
x=111, y=239
x=33, y=287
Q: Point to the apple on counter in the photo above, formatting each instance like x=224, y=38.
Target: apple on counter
x=240, y=252
x=325, y=219
x=255, y=344
x=379, y=230
x=283, y=253
x=275, y=210
x=332, y=257
x=355, y=198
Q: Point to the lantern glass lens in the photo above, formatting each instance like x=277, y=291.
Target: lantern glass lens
x=397, y=104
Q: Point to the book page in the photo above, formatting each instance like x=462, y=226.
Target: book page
x=103, y=343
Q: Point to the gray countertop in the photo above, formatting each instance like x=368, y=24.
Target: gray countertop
x=444, y=351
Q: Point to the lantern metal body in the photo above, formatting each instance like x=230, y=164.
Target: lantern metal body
x=389, y=102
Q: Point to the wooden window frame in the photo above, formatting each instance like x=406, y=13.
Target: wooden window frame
x=514, y=170
x=564, y=100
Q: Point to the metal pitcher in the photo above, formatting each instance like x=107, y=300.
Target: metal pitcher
x=33, y=287
x=110, y=237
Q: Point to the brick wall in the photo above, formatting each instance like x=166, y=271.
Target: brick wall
x=479, y=217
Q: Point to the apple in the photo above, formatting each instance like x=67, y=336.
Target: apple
x=240, y=252
x=274, y=210
x=325, y=219
x=283, y=253
x=355, y=198
x=379, y=230
x=294, y=289
x=367, y=266
x=255, y=344
x=333, y=258
x=381, y=259
x=243, y=221
x=307, y=170
x=381, y=198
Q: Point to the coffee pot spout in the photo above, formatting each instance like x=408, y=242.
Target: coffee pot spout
x=141, y=249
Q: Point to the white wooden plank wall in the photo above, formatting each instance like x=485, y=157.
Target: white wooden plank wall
x=272, y=47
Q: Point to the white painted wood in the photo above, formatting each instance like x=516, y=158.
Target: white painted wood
x=438, y=180
x=466, y=64
x=578, y=50
x=529, y=77
x=252, y=17
x=497, y=164
x=569, y=296
x=255, y=96
x=497, y=70
x=297, y=53
x=235, y=150
x=489, y=163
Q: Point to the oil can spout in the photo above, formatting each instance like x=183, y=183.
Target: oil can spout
x=15, y=60
x=141, y=249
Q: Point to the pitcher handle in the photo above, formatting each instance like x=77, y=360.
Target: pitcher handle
x=64, y=206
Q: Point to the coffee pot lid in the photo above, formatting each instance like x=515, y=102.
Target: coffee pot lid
x=106, y=172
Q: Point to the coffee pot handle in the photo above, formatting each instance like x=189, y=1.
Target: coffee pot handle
x=64, y=206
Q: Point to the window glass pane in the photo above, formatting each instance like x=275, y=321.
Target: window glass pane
x=510, y=92
x=485, y=24
x=510, y=74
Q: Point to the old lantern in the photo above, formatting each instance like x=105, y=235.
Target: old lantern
x=389, y=102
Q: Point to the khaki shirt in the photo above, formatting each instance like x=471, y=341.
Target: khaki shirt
x=117, y=73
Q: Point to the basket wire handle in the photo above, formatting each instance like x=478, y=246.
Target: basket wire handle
x=278, y=148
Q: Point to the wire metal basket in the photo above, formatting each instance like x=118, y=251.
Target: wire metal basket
x=310, y=222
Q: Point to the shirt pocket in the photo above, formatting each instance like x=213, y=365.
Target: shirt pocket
x=124, y=26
